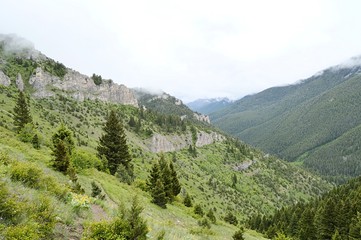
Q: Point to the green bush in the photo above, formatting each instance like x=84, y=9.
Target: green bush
x=23, y=232
x=81, y=159
x=26, y=173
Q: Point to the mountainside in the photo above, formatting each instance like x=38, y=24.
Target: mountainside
x=27, y=66
x=316, y=121
x=223, y=181
x=167, y=104
x=207, y=106
x=334, y=216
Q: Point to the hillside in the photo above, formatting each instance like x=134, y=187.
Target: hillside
x=218, y=172
x=207, y=106
x=315, y=121
x=334, y=216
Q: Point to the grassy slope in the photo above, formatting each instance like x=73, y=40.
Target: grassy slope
x=268, y=184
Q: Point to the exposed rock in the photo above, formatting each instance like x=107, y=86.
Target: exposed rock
x=4, y=80
x=19, y=82
x=81, y=87
x=159, y=143
x=202, y=118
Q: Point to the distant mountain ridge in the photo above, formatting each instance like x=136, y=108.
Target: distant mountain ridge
x=207, y=106
x=315, y=121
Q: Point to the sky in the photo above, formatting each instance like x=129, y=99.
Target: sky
x=191, y=49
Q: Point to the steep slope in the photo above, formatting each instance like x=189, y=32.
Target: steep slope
x=304, y=121
x=337, y=213
x=218, y=172
x=207, y=106
x=28, y=67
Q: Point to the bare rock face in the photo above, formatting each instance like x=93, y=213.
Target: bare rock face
x=202, y=118
x=19, y=82
x=4, y=80
x=81, y=87
x=159, y=143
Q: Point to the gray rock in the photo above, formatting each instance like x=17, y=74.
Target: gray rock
x=19, y=82
x=4, y=80
x=159, y=143
x=81, y=87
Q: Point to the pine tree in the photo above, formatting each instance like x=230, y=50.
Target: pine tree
x=158, y=194
x=35, y=141
x=21, y=112
x=187, y=201
x=166, y=178
x=63, y=145
x=113, y=144
x=153, y=176
x=138, y=226
x=62, y=159
x=176, y=187
x=211, y=216
x=307, y=230
x=198, y=210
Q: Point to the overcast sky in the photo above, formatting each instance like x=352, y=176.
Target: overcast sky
x=191, y=49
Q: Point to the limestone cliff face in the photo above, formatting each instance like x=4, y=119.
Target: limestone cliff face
x=4, y=80
x=202, y=118
x=80, y=87
x=159, y=143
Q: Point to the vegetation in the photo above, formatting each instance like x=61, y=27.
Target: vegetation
x=97, y=79
x=225, y=176
x=113, y=146
x=21, y=112
x=336, y=215
x=313, y=122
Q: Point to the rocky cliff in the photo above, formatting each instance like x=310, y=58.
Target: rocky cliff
x=160, y=143
x=4, y=80
x=80, y=87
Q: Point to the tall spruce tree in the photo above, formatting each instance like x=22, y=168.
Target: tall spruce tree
x=113, y=144
x=166, y=178
x=21, y=112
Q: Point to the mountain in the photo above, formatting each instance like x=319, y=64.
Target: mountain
x=315, y=121
x=207, y=106
x=167, y=104
x=223, y=177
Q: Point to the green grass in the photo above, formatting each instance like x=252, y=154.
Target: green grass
x=266, y=185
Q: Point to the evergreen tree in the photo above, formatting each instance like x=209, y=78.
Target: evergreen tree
x=62, y=159
x=211, y=216
x=63, y=145
x=21, y=112
x=153, y=176
x=326, y=220
x=158, y=194
x=187, y=201
x=35, y=141
x=176, y=187
x=113, y=144
x=198, y=210
x=307, y=230
x=138, y=226
x=166, y=178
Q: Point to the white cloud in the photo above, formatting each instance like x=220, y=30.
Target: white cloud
x=189, y=48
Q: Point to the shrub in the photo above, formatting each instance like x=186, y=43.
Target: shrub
x=23, y=232
x=27, y=174
x=198, y=210
x=81, y=159
x=204, y=223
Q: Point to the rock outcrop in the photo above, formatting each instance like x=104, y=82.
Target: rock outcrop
x=19, y=82
x=80, y=87
x=4, y=80
x=159, y=143
x=202, y=118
